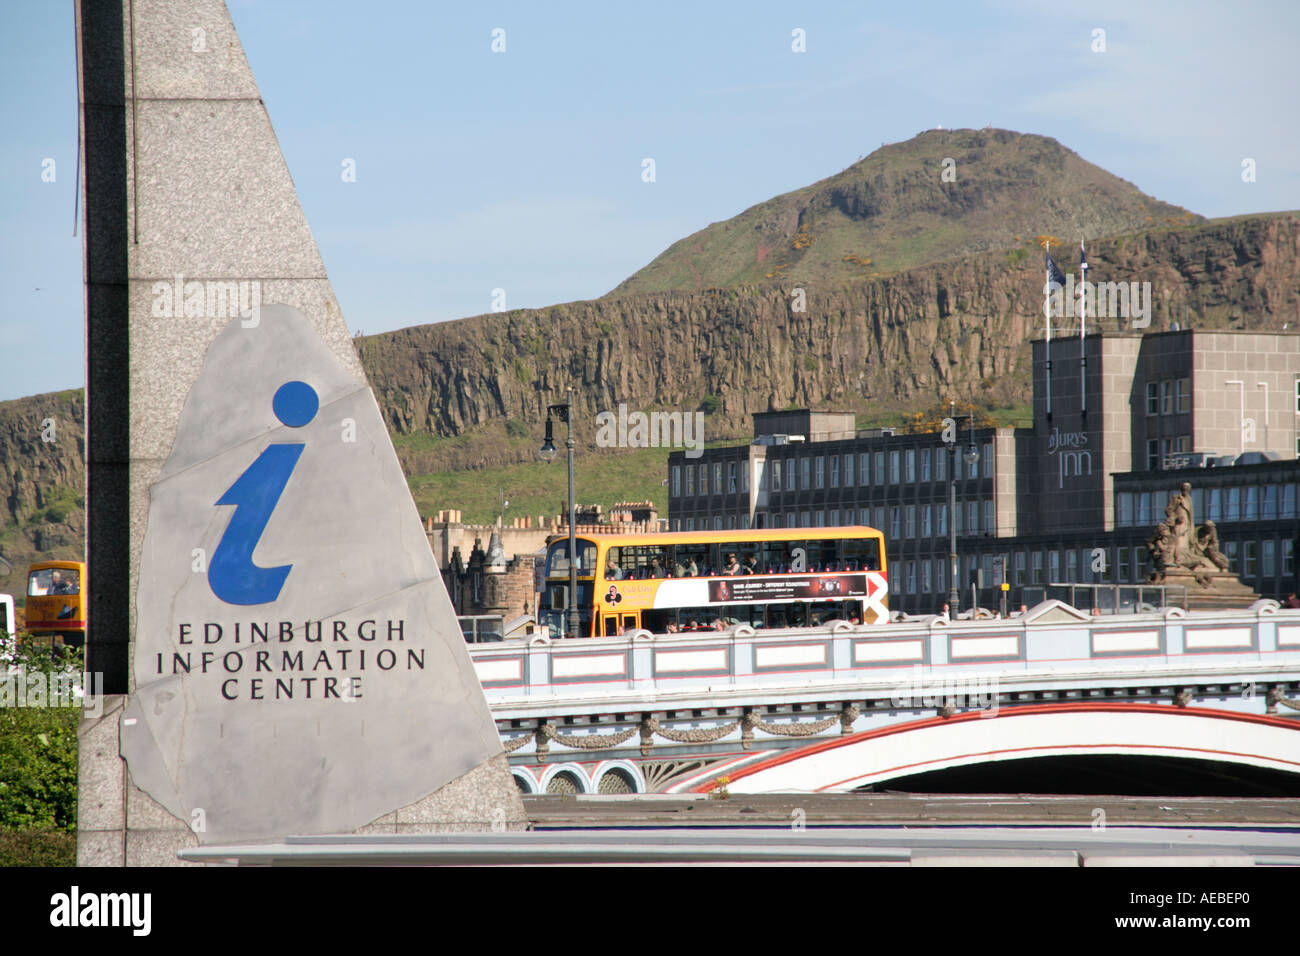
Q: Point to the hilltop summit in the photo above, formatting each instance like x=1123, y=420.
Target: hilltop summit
x=894, y=210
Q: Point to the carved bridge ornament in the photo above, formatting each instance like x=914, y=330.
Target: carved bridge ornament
x=649, y=728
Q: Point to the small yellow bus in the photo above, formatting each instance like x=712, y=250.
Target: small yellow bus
x=676, y=582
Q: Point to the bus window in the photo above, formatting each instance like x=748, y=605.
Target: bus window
x=862, y=554
x=53, y=581
x=692, y=559
x=557, y=558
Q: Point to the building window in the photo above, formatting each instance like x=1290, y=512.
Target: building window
x=1288, y=501
x=989, y=526
x=1053, y=567
x=880, y=468
x=941, y=464
x=1072, y=566
x=744, y=476
x=973, y=469
x=1234, y=505
x=1184, y=395
x=986, y=460
x=893, y=524
x=1020, y=569
x=1297, y=396
x=744, y=521
x=927, y=579
x=1153, y=399
x=820, y=472
x=941, y=572
x=864, y=469
x=776, y=474
x=677, y=481
x=1270, y=503
x=704, y=479
x=690, y=524
x=1124, y=509
x=1144, y=509
x=731, y=477
x=821, y=519
x=941, y=517
x=1166, y=398
x=690, y=480
x=1252, y=504
x=879, y=523
x=731, y=522
x=805, y=519
x=911, y=577
x=909, y=522
x=717, y=523
x=1153, y=455
x=972, y=517
x=893, y=467
x=1288, y=558
x=1036, y=568
x=835, y=471
x=1269, y=559
x=790, y=483
x=927, y=521
x=835, y=518
x=805, y=467
x=1250, y=570
x=909, y=466
x=1230, y=552
x=717, y=478
x=925, y=464
x=777, y=521
x=848, y=471
x=1215, y=509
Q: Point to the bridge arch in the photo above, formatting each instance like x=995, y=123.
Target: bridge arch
x=1045, y=730
x=571, y=777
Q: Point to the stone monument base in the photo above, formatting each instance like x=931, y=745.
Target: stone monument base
x=1220, y=591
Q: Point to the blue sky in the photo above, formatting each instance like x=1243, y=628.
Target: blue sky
x=522, y=170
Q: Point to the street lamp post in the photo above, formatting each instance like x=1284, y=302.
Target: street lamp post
x=971, y=456
x=564, y=412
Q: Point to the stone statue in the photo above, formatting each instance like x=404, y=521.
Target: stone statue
x=1183, y=556
x=1177, y=546
x=1208, y=539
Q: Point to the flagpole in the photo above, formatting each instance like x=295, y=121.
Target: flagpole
x=1047, y=316
x=1083, y=322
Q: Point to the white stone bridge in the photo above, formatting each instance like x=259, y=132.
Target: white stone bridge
x=844, y=707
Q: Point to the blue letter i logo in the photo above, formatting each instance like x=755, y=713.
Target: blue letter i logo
x=232, y=575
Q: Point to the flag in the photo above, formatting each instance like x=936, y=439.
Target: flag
x=1054, y=274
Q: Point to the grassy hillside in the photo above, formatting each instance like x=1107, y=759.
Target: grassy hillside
x=940, y=195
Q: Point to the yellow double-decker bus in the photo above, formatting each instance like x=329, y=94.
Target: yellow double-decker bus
x=56, y=600
x=710, y=580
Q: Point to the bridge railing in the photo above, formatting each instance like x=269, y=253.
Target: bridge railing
x=642, y=670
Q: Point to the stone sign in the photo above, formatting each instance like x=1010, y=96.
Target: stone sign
x=295, y=646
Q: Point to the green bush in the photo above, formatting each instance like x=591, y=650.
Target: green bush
x=710, y=404
x=38, y=769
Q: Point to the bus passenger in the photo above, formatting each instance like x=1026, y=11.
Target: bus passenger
x=750, y=564
x=692, y=569
x=612, y=571
x=657, y=569
x=732, y=566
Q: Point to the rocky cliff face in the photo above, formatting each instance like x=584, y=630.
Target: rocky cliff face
x=911, y=337
x=42, y=482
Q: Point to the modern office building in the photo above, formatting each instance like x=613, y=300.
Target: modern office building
x=1072, y=498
